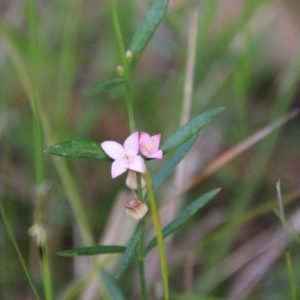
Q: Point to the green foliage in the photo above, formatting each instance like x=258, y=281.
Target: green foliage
x=14, y=37
x=146, y=29
x=130, y=250
x=170, y=165
x=49, y=53
x=184, y=216
x=78, y=149
x=113, y=290
x=190, y=129
x=104, y=85
x=185, y=134
x=95, y=250
x=188, y=296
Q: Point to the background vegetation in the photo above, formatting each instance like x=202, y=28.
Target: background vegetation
x=247, y=59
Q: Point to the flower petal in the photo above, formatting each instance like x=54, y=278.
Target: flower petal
x=118, y=167
x=137, y=164
x=144, y=138
x=149, y=145
x=113, y=149
x=131, y=144
x=155, y=139
x=158, y=155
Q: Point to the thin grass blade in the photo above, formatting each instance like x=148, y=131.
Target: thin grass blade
x=186, y=296
x=232, y=153
x=19, y=253
x=13, y=37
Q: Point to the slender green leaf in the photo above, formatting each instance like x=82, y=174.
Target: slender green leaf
x=5, y=220
x=186, y=296
x=190, y=129
x=184, y=216
x=130, y=250
x=170, y=165
x=14, y=37
x=147, y=27
x=79, y=149
x=113, y=290
x=94, y=250
x=104, y=85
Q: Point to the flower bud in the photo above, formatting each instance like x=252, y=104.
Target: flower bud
x=120, y=70
x=129, y=55
x=38, y=233
x=136, y=209
x=131, y=181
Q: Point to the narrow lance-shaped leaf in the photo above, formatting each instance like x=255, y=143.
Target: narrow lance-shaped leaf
x=94, y=250
x=112, y=289
x=78, y=149
x=190, y=129
x=130, y=250
x=170, y=165
x=185, y=215
x=147, y=27
x=104, y=85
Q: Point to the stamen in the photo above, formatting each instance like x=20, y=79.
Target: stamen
x=149, y=147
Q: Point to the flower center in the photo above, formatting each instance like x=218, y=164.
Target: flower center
x=149, y=147
x=127, y=157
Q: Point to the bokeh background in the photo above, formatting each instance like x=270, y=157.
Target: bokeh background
x=247, y=60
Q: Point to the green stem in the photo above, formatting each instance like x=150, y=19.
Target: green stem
x=285, y=226
x=291, y=275
x=18, y=251
x=125, y=63
x=39, y=211
x=141, y=258
x=159, y=235
x=139, y=186
x=46, y=270
x=129, y=104
x=118, y=32
x=141, y=263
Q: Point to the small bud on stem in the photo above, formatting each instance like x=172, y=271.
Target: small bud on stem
x=136, y=209
x=120, y=70
x=129, y=55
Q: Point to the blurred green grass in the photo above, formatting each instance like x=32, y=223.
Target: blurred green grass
x=239, y=65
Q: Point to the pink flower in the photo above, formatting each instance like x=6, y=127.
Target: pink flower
x=125, y=157
x=149, y=145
